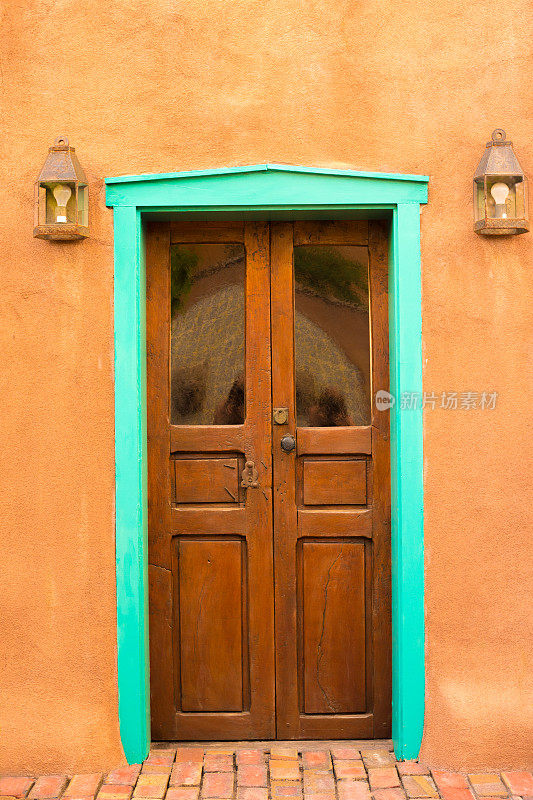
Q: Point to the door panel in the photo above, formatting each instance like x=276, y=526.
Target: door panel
x=334, y=482
x=242, y=319
x=333, y=630
x=212, y=590
x=210, y=540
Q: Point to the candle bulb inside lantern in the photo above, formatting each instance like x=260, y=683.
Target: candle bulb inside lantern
x=62, y=195
x=500, y=193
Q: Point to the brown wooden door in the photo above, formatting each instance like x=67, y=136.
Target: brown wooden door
x=210, y=540
x=248, y=324
x=332, y=493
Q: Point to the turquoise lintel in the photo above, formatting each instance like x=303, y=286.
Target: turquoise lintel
x=242, y=192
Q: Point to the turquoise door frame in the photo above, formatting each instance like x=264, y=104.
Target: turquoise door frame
x=268, y=191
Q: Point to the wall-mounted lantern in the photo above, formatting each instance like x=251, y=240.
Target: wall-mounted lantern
x=500, y=190
x=61, y=196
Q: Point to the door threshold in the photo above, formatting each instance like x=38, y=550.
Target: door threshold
x=301, y=744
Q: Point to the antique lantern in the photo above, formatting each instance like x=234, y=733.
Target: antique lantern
x=61, y=196
x=500, y=190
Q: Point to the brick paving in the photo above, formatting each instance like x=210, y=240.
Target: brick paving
x=274, y=771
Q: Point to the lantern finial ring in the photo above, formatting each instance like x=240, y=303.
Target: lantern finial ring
x=61, y=141
x=498, y=135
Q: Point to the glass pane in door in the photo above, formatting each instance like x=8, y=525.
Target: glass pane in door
x=207, y=334
x=332, y=335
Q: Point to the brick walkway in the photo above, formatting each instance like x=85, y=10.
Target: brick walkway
x=277, y=771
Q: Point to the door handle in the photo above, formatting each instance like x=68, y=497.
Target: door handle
x=288, y=443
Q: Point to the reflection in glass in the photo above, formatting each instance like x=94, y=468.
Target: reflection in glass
x=332, y=336
x=207, y=334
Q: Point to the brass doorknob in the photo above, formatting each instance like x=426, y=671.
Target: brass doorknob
x=288, y=443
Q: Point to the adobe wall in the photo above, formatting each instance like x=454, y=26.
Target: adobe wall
x=145, y=86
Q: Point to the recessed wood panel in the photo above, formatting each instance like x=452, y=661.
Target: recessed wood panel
x=206, y=480
x=211, y=587
x=335, y=441
x=334, y=482
x=333, y=629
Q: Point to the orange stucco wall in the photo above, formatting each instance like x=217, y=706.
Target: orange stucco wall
x=161, y=85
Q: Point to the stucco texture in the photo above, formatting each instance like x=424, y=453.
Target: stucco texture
x=162, y=85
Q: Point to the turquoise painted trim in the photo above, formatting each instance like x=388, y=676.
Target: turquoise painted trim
x=263, y=187
x=240, y=193
x=199, y=173
x=407, y=535
x=131, y=484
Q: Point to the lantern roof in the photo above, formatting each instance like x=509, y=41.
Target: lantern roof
x=62, y=164
x=498, y=158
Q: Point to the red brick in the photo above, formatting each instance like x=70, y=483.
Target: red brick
x=218, y=784
x=383, y=777
x=318, y=782
x=283, y=751
x=449, y=780
x=488, y=784
x=342, y=752
x=76, y=797
x=84, y=785
x=114, y=791
x=283, y=789
x=123, y=776
x=151, y=786
x=350, y=769
x=454, y=793
x=48, y=786
x=412, y=768
x=251, y=793
x=218, y=762
x=161, y=757
x=186, y=774
x=250, y=757
x=316, y=759
x=520, y=783
x=190, y=754
x=18, y=786
x=183, y=793
x=252, y=775
x=327, y=796
x=377, y=758
x=284, y=770
x=492, y=798
x=419, y=786
x=156, y=769
x=353, y=790
x=389, y=794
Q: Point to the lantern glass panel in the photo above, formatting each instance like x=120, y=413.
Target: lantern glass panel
x=55, y=211
x=479, y=200
x=501, y=197
x=83, y=206
x=521, y=199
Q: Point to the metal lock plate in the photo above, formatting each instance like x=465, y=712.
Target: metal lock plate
x=281, y=416
x=249, y=476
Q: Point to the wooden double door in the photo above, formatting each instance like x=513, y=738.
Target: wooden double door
x=268, y=474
